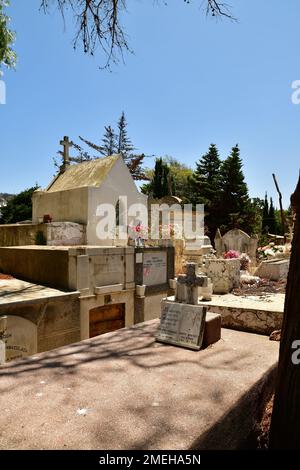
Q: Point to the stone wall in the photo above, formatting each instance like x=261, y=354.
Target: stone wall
x=254, y=321
x=19, y=234
x=52, y=234
x=39, y=264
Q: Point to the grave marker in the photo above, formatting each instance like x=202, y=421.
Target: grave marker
x=182, y=324
x=20, y=337
x=155, y=268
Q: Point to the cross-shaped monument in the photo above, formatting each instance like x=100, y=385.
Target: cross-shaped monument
x=187, y=285
x=66, y=145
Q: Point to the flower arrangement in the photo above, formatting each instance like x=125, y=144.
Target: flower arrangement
x=269, y=251
x=138, y=233
x=169, y=231
x=231, y=254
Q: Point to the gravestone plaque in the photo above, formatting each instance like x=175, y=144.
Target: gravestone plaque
x=182, y=324
x=20, y=337
x=2, y=352
x=155, y=268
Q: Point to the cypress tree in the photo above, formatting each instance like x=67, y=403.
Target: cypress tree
x=265, y=215
x=272, y=218
x=160, y=184
x=234, y=201
x=206, y=177
x=205, y=183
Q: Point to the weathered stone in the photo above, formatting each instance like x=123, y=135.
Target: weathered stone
x=224, y=273
x=181, y=324
x=191, y=282
x=65, y=234
x=255, y=314
x=273, y=269
x=212, y=329
x=2, y=352
x=20, y=337
x=207, y=291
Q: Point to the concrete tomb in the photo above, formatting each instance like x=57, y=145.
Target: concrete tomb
x=273, y=269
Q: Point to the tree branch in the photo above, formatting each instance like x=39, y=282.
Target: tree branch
x=98, y=24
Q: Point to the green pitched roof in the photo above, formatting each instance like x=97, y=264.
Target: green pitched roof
x=91, y=173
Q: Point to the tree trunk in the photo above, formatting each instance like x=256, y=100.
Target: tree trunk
x=284, y=432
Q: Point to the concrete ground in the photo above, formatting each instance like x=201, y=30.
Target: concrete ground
x=13, y=291
x=123, y=390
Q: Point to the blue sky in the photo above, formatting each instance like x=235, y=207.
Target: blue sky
x=190, y=82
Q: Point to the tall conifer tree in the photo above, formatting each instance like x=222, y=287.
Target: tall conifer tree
x=234, y=201
x=206, y=187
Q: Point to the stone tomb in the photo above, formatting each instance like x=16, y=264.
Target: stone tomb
x=181, y=324
x=20, y=337
x=273, y=269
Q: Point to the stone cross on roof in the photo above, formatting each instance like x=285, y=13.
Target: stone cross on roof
x=66, y=145
x=187, y=285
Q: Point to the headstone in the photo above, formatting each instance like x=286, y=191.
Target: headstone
x=155, y=268
x=237, y=240
x=188, y=284
x=181, y=324
x=20, y=337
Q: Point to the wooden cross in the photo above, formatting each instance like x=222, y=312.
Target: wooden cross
x=187, y=285
x=66, y=145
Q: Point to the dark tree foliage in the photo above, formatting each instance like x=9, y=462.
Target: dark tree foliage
x=19, y=207
x=265, y=215
x=109, y=142
x=234, y=198
x=273, y=228
x=206, y=187
x=161, y=184
x=124, y=146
